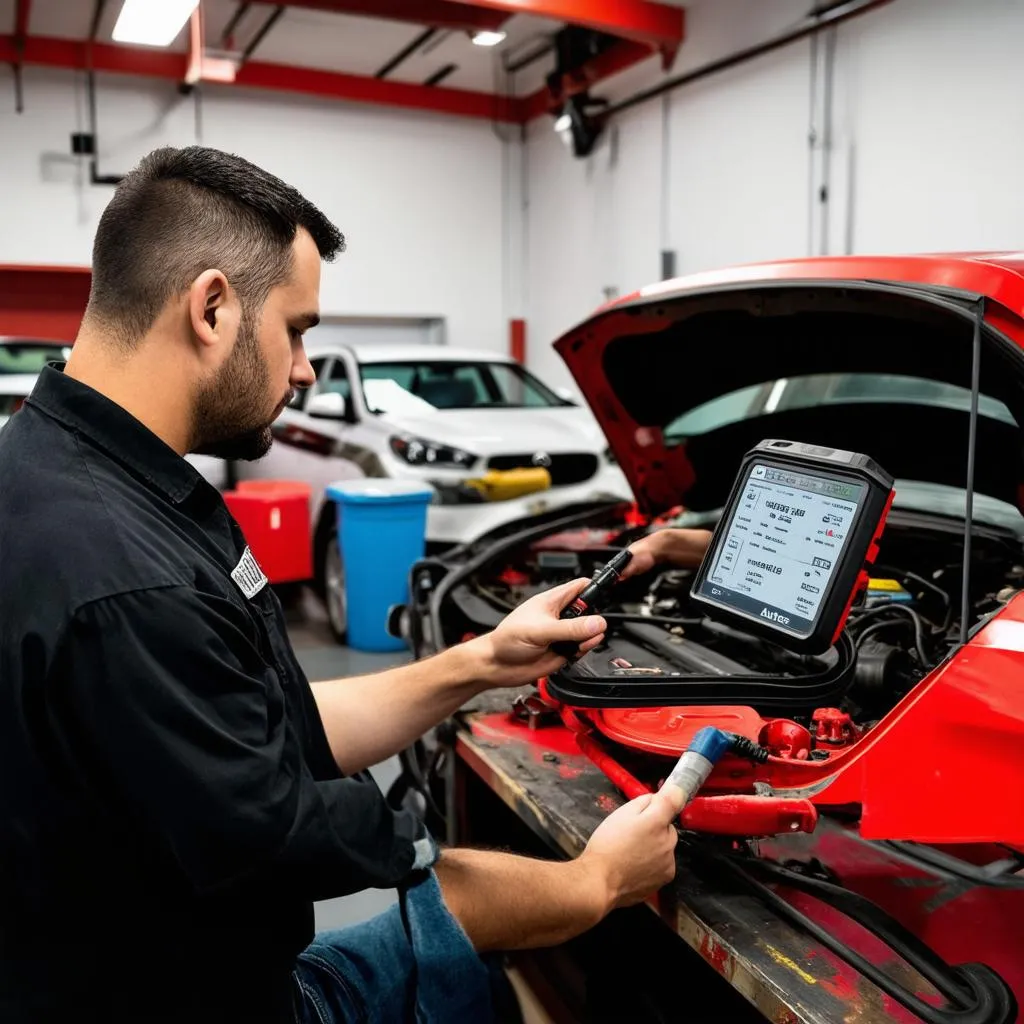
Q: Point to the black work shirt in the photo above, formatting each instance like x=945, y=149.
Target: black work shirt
x=169, y=805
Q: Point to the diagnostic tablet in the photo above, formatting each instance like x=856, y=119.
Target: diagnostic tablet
x=791, y=550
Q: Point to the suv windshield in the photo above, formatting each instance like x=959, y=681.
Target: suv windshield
x=29, y=356
x=412, y=387
x=846, y=388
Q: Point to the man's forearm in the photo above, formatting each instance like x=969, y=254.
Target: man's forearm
x=369, y=718
x=504, y=901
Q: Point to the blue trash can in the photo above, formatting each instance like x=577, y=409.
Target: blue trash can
x=382, y=530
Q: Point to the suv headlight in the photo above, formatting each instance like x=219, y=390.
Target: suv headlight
x=418, y=451
x=610, y=456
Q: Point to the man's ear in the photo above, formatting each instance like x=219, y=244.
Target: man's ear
x=213, y=310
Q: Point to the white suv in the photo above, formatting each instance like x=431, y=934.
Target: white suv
x=440, y=415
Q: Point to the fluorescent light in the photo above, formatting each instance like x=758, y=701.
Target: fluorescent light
x=563, y=123
x=152, y=22
x=488, y=38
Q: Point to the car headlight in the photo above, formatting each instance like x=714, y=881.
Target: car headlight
x=418, y=451
x=610, y=456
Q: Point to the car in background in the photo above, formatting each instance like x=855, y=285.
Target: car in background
x=439, y=415
x=21, y=361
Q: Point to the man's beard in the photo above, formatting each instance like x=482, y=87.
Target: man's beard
x=229, y=422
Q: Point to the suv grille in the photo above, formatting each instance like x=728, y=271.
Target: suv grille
x=566, y=467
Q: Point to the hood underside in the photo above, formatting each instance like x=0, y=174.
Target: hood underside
x=683, y=385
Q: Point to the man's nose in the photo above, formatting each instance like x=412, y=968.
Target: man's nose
x=303, y=374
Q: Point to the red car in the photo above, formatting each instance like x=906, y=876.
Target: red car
x=870, y=355
x=921, y=749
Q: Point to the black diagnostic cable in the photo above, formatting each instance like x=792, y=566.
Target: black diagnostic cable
x=884, y=623
x=921, y=581
x=1005, y=874
x=975, y=993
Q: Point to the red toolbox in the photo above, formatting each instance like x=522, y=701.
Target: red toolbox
x=274, y=516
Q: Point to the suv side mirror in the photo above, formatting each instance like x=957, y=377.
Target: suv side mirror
x=328, y=405
x=566, y=395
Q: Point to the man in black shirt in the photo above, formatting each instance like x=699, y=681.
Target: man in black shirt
x=174, y=794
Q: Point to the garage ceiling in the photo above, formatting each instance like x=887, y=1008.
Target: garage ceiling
x=410, y=53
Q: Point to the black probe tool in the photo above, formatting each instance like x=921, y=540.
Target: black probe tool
x=592, y=598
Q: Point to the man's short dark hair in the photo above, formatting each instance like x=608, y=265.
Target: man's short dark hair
x=183, y=211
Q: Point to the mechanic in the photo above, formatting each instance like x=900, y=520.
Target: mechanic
x=174, y=795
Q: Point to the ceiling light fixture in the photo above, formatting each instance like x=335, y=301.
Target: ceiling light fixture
x=577, y=126
x=485, y=38
x=152, y=22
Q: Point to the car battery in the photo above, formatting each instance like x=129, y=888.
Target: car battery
x=274, y=517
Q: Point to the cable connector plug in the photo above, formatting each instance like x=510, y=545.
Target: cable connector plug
x=748, y=749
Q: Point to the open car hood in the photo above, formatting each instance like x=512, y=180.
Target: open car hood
x=867, y=354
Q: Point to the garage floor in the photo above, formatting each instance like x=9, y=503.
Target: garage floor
x=322, y=657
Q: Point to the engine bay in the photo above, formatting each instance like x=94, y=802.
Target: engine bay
x=660, y=652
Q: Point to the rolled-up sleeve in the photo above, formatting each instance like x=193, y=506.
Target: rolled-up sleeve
x=162, y=697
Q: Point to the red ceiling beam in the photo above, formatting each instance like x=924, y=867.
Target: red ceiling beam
x=361, y=89
x=72, y=55
x=446, y=14
x=642, y=21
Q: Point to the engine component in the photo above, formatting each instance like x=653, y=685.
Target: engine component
x=881, y=669
x=833, y=726
x=785, y=738
x=734, y=814
x=886, y=591
x=557, y=564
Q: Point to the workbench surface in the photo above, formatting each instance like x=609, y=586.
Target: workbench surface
x=540, y=774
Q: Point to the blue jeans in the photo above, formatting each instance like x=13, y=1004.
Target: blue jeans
x=411, y=963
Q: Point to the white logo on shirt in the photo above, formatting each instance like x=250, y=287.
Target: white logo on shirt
x=248, y=575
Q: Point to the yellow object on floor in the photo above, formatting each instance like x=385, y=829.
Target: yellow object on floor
x=504, y=484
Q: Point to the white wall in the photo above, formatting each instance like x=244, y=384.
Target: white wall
x=926, y=154
x=929, y=97
x=718, y=172
x=422, y=240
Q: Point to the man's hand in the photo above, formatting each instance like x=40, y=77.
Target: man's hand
x=518, y=650
x=632, y=852
x=681, y=548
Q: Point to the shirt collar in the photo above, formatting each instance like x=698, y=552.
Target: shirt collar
x=113, y=428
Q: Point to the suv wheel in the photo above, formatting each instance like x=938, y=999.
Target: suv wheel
x=334, y=589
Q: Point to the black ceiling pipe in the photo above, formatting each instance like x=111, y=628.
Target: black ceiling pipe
x=406, y=52
x=263, y=33
x=825, y=19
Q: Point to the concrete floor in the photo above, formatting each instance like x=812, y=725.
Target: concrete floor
x=322, y=657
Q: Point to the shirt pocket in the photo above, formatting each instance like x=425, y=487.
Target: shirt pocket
x=273, y=639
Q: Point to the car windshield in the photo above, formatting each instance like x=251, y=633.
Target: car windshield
x=422, y=386
x=846, y=388
x=29, y=356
